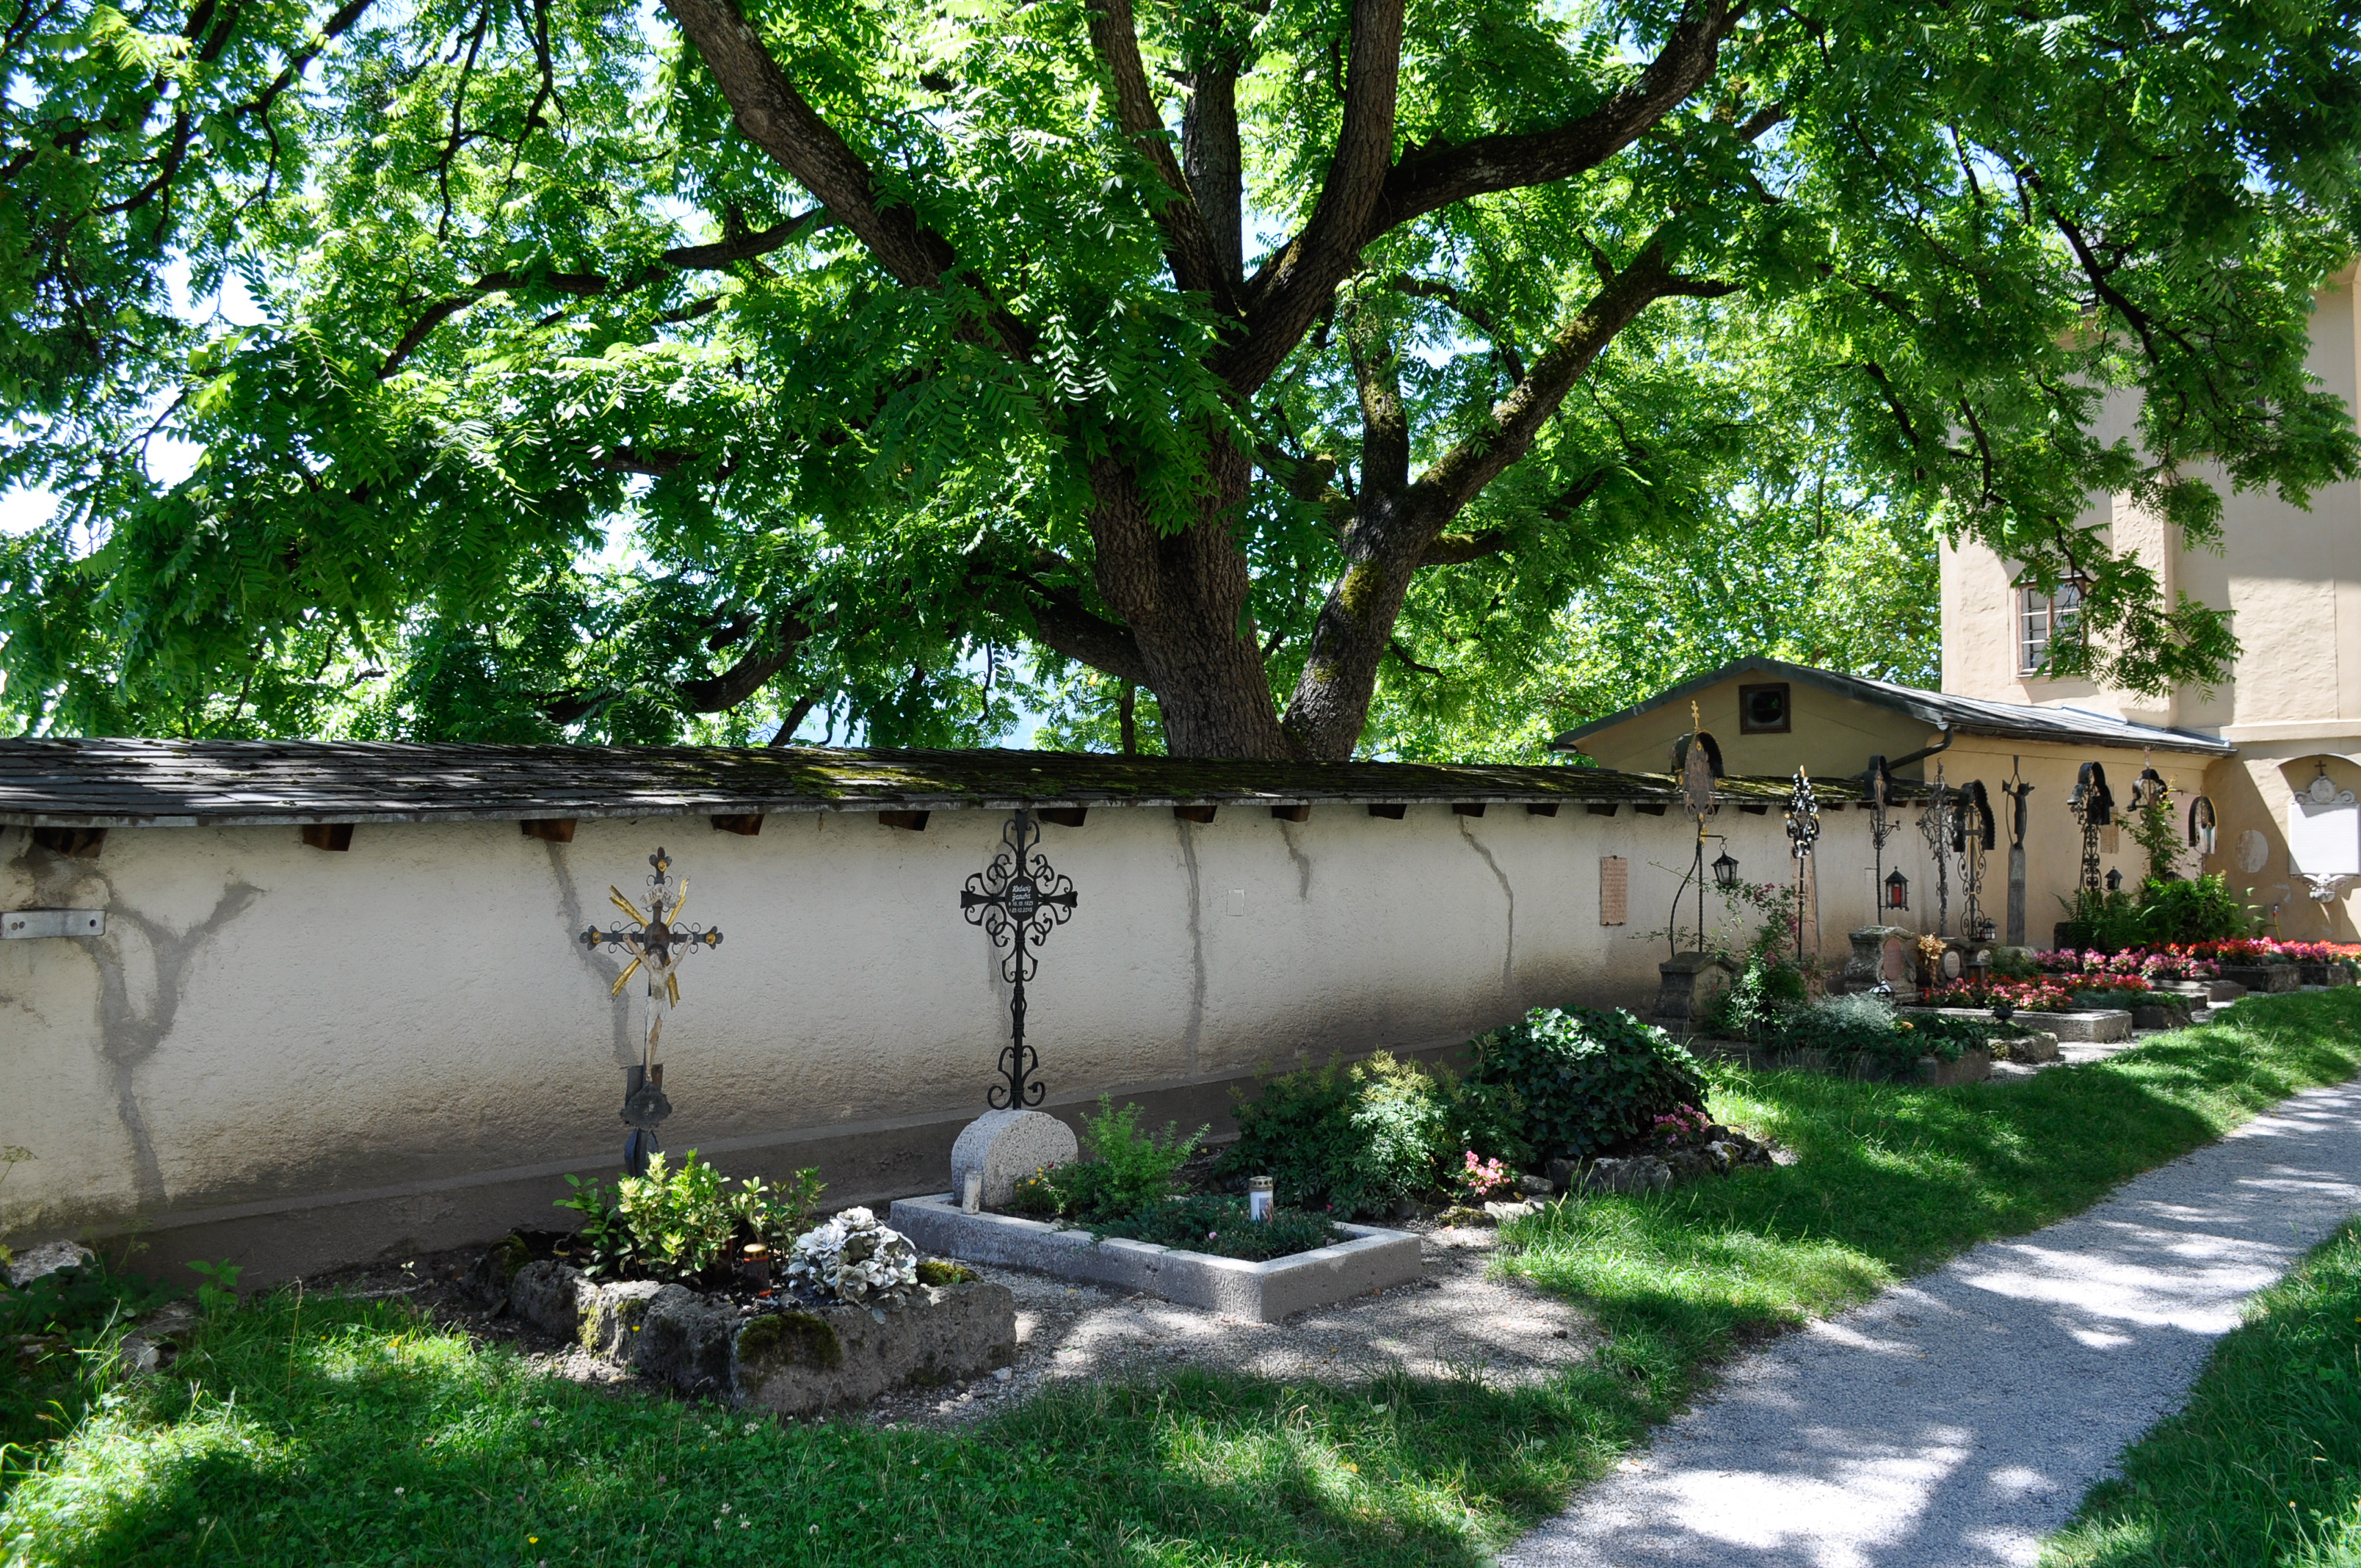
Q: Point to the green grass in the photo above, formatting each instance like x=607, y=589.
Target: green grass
x=1892, y=1180
x=356, y=1433
x=2263, y=1468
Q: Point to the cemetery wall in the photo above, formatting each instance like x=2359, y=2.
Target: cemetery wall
x=299, y=1058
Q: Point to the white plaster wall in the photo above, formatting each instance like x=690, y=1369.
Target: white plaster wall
x=264, y=1022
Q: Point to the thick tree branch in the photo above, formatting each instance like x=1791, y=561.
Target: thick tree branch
x=742, y=680
x=1064, y=623
x=1287, y=295
x=777, y=118
x=1189, y=247
x=1214, y=162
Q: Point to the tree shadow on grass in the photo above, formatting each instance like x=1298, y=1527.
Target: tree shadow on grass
x=360, y=1433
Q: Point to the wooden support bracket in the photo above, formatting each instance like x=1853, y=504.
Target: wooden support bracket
x=1598, y=808
x=549, y=829
x=1755, y=807
x=1301, y=812
x=1467, y=809
x=81, y=843
x=1648, y=808
x=1064, y=816
x=1193, y=812
x=748, y=824
x=1542, y=809
x=328, y=835
x=1392, y=810
x=910, y=821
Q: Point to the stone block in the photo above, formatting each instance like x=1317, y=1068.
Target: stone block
x=799, y=1363
x=795, y=1363
x=2221, y=990
x=1691, y=984
x=2264, y=978
x=49, y=1257
x=1007, y=1147
x=2160, y=1012
x=2099, y=1027
x=1371, y=1258
x=1879, y=953
x=2036, y=1046
x=1642, y=1173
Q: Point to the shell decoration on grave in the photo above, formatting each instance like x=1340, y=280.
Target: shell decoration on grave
x=856, y=1258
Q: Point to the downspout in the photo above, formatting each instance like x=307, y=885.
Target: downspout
x=1923, y=752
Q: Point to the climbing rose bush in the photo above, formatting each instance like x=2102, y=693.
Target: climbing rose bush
x=856, y=1258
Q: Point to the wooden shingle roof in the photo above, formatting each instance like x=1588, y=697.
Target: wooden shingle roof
x=103, y=782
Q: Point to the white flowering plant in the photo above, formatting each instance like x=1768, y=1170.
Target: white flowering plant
x=857, y=1259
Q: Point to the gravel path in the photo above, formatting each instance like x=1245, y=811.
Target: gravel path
x=1958, y=1419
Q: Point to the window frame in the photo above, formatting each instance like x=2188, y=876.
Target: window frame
x=2058, y=619
x=1787, y=725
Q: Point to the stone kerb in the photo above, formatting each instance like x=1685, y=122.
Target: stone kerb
x=1373, y=1259
x=1007, y=1147
x=793, y=1362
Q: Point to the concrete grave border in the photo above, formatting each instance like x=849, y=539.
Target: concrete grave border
x=1373, y=1259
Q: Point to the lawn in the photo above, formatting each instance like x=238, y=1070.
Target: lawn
x=2262, y=1469
x=354, y=1433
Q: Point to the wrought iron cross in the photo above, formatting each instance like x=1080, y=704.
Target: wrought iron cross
x=1934, y=825
x=1019, y=900
x=1802, y=834
x=658, y=940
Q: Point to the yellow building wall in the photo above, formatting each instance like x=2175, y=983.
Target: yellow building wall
x=2291, y=578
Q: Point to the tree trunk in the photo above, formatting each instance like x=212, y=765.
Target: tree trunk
x=1184, y=598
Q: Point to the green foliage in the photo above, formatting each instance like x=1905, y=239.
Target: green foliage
x=479, y=435
x=1591, y=1080
x=2262, y=1467
x=219, y=1291
x=1765, y=989
x=676, y=1224
x=1357, y=1139
x=2109, y=920
x=2197, y=909
x=1891, y=1179
x=1122, y=1169
x=1212, y=1223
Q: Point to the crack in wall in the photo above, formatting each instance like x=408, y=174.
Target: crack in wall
x=1196, y=1030
x=1302, y=861
x=1509, y=954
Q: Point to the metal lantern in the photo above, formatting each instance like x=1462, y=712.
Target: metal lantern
x=2114, y=881
x=1898, y=891
x=1725, y=871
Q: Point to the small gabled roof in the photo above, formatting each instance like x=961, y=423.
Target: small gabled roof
x=1959, y=714
x=63, y=783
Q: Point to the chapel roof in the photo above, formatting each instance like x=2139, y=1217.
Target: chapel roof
x=1958, y=714
x=113, y=783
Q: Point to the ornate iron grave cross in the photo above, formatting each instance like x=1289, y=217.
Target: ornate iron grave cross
x=1803, y=836
x=1017, y=900
x=658, y=940
x=1934, y=825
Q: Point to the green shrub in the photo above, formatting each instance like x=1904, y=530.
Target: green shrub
x=1219, y=1225
x=1591, y=1080
x=1357, y=1139
x=1765, y=989
x=1123, y=1170
x=676, y=1224
x=2202, y=910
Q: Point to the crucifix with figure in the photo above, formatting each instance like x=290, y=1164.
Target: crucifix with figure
x=657, y=940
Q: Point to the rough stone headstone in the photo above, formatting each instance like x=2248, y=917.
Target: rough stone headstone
x=1007, y=1147
x=1692, y=984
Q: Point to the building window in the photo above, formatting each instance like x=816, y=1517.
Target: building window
x=1763, y=710
x=2042, y=618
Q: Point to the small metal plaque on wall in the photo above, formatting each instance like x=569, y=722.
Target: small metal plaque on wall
x=1614, y=890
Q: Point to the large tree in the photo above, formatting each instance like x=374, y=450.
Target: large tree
x=1189, y=343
